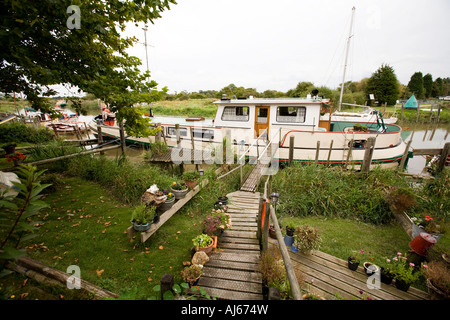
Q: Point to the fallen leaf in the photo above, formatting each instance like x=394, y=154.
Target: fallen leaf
x=149, y=279
x=104, y=231
x=99, y=272
x=23, y=295
x=161, y=247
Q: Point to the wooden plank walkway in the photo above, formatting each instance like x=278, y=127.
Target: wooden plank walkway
x=252, y=182
x=232, y=272
x=330, y=278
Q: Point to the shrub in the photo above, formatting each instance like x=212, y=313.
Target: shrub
x=20, y=132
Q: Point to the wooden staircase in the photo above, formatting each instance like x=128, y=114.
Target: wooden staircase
x=232, y=272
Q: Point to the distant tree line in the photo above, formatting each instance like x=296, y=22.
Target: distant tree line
x=383, y=86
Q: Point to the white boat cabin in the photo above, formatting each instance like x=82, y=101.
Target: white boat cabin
x=255, y=115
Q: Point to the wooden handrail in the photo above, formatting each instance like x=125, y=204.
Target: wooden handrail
x=293, y=282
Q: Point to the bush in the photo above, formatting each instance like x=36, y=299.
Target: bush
x=20, y=132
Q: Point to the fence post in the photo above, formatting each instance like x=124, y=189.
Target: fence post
x=122, y=138
x=405, y=155
x=370, y=145
x=317, y=152
x=291, y=149
x=443, y=157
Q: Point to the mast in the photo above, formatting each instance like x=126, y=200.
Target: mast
x=346, y=58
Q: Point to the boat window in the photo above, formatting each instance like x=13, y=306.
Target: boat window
x=263, y=113
x=291, y=114
x=235, y=114
x=203, y=134
x=172, y=131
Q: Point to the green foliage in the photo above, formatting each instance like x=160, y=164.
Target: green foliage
x=191, y=175
x=125, y=180
x=17, y=213
x=143, y=214
x=93, y=57
x=384, y=85
x=202, y=240
x=415, y=85
x=307, y=238
x=428, y=85
x=331, y=192
x=20, y=132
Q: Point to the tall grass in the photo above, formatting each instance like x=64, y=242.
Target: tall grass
x=127, y=181
x=332, y=192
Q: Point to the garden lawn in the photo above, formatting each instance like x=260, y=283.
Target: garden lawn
x=341, y=236
x=85, y=226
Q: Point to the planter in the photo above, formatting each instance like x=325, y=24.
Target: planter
x=402, y=285
x=272, y=233
x=435, y=293
x=294, y=248
x=417, y=230
x=141, y=227
x=191, y=184
x=193, y=282
x=179, y=194
x=422, y=243
x=352, y=265
x=224, y=200
x=288, y=240
x=166, y=205
x=385, y=277
x=370, y=268
x=209, y=248
x=290, y=231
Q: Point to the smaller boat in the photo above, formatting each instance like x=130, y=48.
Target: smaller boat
x=369, y=115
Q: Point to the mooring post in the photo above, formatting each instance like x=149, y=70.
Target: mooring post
x=405, y=155
x=167, y=283
x=291, y=149
x=317, y=152
x=122, y=138
x=370, y=145
x=443, y=157
x=329, y=153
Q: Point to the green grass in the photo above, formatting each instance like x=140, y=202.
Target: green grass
x=85, y=226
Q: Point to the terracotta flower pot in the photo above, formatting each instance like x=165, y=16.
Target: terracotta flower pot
x=209, y=248
x=191, y=184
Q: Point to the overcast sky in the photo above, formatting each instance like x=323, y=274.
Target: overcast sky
x=208, y=44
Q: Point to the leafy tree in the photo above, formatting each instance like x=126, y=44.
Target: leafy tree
x=428, y=85
x=415, y=85
x=384, y=85
x=301, y=90
x=40, y=47
x=438, y=87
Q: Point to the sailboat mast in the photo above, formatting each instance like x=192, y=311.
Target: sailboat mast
x=346, y=58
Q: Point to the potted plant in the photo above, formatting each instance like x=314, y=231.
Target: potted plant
x=307, y=239
x=438, y=279
x=354, y=259
x=386, y=275
x=370, y=268
x=290, y=229
x=170, y=200
x=404, y=272
x=142, y=217
x=179, y=189
x=9, y=147
x=191, y=178
x=217, y=222
x=192, y=274
x=425, y=223
x=16, y=157
x=223, y=200
x=204, y=243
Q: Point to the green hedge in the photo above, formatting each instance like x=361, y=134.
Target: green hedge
x=20, y=132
